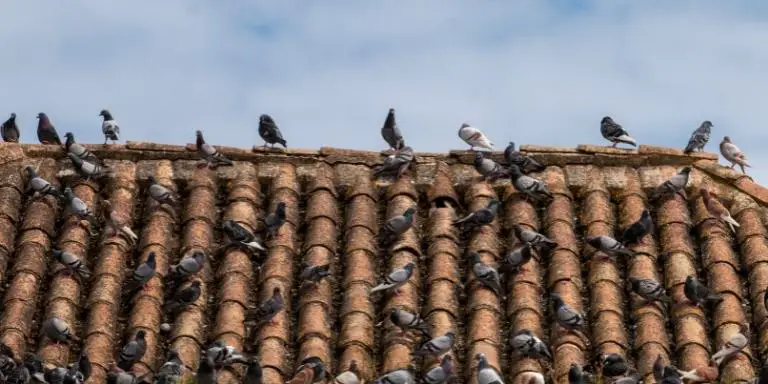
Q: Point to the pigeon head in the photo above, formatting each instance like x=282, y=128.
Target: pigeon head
x=30, y=171
x=409, y=212
x=515, y=171
x=690, y=279
x=465, y=125
x=200, y=139
x=105, y=113
x=606, y=120
x=276, y=291
x=482, y=360
x=354, y=368
x=280, y=210
x=634, y=281
x=409, y=267
x=475, y=257
x=391, y=110
x=575, y=373
x=726, y=139
x=151, y=259
x=707, y=124
x=493, y=203
x=68, y=192
x=13, y=116
x=645, y=214
x=70, y=136
x=195, y=284
x=141, y=334
x=556, y=299
x=512, y=145
x=41, y=116
x=611, y=358
x=593, y=241
x=451, y=335
x=479, y=157
x=152, y=180
x=686, y=170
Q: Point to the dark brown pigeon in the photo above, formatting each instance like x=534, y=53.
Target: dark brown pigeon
x=46, y=132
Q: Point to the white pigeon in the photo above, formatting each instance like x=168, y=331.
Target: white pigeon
x=474, y=137
x=737, y=342
x=733, y=154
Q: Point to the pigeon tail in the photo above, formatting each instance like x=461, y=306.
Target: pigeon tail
x=129, y=232
x=381, y=287
x=255, y=245
x=626, y=139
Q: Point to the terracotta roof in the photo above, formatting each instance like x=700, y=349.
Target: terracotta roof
x=334, y=214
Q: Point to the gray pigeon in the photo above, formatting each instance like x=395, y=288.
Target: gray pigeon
x=658, y=368
x=311, y=275
x=485, y=274
x=254, y=372
x=209, y=155
x=534, y=238
x=400, y=376
x=182, y=298
x=171, y=370
x=525, y=343
x=40, y=186
x=160, y=193
x=80, y=370
x=437, y=346
x=613, y=365
x=241, y=236
x=188, y=265
x=408, y=321
x=565, y=315
x=58, y=330
x=143, y=273
x=675, y=185
x=76, y=206
x=350, y=376
x=109, y=127
x=396, y=279
x=615, y=133
x=486, y=374
x=57, y=375
x=117, y=375
x=638, y=230
x=528, y=185
x=78, y=150
x=206, y=373
x=397, y=225
x=482, y=216
x=310, y=370
x=648, y=289
x=515, y=259
x=489, y=169
x=132, y=351
x=441, y=373
x=698, y=293
x=267, y=311
x=608, y=245
x=577, y=376
x=391, y=132
x=223, y=355
x=275, y=220
x=395, y=164
x=9, y=130
x=671, y=375
x=525, y=163
x=86, y=168
x=72, y=263
x=733, y=154
x=46, y=132
x=269, y=131
x=699, y=138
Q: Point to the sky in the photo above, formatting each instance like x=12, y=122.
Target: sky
x=534, y=72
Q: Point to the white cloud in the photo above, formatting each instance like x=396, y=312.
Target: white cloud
x=529, y=72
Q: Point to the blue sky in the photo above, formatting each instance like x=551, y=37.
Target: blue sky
x=539, y=72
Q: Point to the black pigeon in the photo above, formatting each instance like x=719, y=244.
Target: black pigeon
x=206, y=373
x=528, y=185
x=699, y=294
x=699, y=138
x=7, y=362
x=407, y=321
x=396, y=164
x=133, y=351
x=269, y=131
x=143, y=273
x=40, y=186
x=209, y=155
x=391, y=132
x=267, y=311
x=311, y=275
x=275, y=220
x=241, y=236
x=46, y=132
x=183, y=298
x=577, y=376
x=170, y=372
x=10, y=130
x=649, y=290
x=614, y=365
x=565, y=315
x=658, y=368
x=486, y=274
x=515, y=259
x=482, y=216
x=397, y=225
x=525, y=163
x=489, y=169
x=78, y=150
x=254, y=372
x=109, y=127
x=615, y=133
x=762, y=377
x=637, y=231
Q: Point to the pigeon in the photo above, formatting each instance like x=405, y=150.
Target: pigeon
x=350, y=376
x=7, y=362
x=515, y=259
x=486, y=274
x=223, y=355
x=189, y=265
x=40, y=186
x=58, y=375
x=708, y=374
x=486, y=374
x=395, y=164
x=46, y=132
x=633, y=377
x=310, y=370
x=613, y=365
x=117, y=375
x=143, y=273
x=441, y=373
x=275, y=220
x=58, y=330
x=269, y=131
x=21, y=374
x=698, y=293
x=10, y=130
x=532, y=378
x=86, y=168
x=311, y=275
x=406, y=321
x=437, y=346
x=171, y=370
x=474, y=137
x=733, y=154
x=658, y=368
x=132, y=351
x=206, y=373
x=718, y=210
x=525, y=343
x=608, y=245
x=109, y=127
x=254, y=373
x=565, y=315
x=533, y=238
x=671, y=375
x=398, y=225
x=637, y=231
x=648, y=289
x=267, y=311
x=396, y=279
x=391, y=132
x=73, y=264
x=699, y=138
x=75, y=205
x=209, y=155
x=733, y=346
x=675, y=185
x=528, y=185
x=239, y=235
x=80, y=370
x=182, y=298
x=489, y=169
x=78, y=150
x=762, y=377
x=577, y=376
x=482, y=216
x=614, y=133
x=399, y=376
x=160, y=193
x=525, y=163
x=116, y=223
